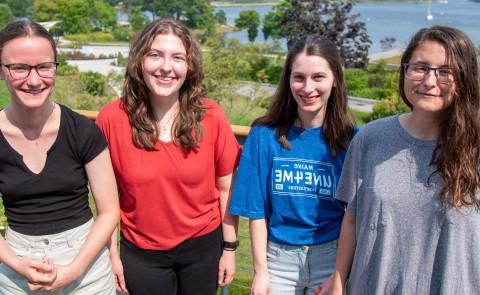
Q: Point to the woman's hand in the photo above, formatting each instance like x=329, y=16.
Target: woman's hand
x=260, y=284
x=325, y=288
x=36, y=272
x=226, y=269
x=335, y=286
x=117, y=268
x=65, y=275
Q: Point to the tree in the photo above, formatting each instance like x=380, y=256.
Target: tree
x=199, y=15
x=272, y=19
x=128, y=6
x=250, y=20
x=6, y=15
x=387, y=43
x=196, y=14
x=332, y=19
x=45, y=10
x=221, y=17
x=74, y=15
x=138, y=20
x=103, y=16
x=19, y=8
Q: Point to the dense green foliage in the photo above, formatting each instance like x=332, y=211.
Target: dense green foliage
x=250, y=20
x=19, y=8
x=6, y=15
x=45, y=10
x=387, y=107
x=293, y=19
x=138, y=20
x=221, y=17
x=77, y=16
x=375, y=81
x=94, y=83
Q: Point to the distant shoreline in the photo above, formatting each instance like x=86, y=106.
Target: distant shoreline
x=232, y=4
x=219, y=4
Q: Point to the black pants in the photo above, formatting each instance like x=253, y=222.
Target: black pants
x=188, y=269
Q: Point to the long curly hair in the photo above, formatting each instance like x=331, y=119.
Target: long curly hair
x=187, y=130
x=457, y=154
x=338, y=126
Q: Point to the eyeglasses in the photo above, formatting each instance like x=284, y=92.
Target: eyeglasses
x=22, y=71
x=418, y=72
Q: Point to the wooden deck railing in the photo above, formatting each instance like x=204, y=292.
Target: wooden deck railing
x=239, y=131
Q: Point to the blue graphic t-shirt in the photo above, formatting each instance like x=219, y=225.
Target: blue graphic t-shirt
x=294, y=189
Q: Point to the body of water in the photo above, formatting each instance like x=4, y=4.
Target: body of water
x=398, y=20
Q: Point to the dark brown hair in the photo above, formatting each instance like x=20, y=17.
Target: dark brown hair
x=187, y=129
x=457, y=154
x=23, y=28
x=338, y=125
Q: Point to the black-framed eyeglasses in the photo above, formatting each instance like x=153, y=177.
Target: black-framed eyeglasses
x=22, y=71
x=419, y=72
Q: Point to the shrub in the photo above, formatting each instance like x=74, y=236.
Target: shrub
x=388, y=107
x=94, y=83
x=375, y=81
x=90, y=37
x=64, y=69
x=120, y=61
x=122, y=34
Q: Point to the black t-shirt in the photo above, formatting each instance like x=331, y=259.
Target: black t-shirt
x=56, y=199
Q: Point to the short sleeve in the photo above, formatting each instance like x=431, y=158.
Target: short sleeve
x=350, y=179
x=227, y=149
x=90, y=139
x=249, y=190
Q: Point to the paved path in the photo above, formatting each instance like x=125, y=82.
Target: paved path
x=102, y=66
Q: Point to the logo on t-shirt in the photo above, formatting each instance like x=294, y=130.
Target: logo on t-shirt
x=303, y=178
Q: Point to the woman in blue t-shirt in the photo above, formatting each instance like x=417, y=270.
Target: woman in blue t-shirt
x=289, y=170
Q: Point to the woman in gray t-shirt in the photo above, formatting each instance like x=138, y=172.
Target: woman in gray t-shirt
x=412, y=225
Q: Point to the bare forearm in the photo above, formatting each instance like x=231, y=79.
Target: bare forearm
x=104, y=189
x=112, y=245
x=259, y=237
x=229, y=221
x=346, y=248
x=99, y=236
x=7, y=256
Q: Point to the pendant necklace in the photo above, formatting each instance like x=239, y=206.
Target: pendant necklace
x=164, y=126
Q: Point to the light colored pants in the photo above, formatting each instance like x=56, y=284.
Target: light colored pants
x=62, y=248
x=298, y=270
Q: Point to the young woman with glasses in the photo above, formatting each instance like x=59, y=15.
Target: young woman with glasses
x=411, y=181
x=49, y=156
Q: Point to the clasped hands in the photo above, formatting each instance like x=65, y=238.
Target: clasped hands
x=45, y=275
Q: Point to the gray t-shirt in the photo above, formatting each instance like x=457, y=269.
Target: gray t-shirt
x=407, y=241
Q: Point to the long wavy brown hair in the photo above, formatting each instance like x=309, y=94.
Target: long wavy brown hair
x=338, y=126
x=187, y=130
x=457, y=153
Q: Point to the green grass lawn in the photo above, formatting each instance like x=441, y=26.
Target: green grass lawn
x=4, y=95
x=244, y=275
